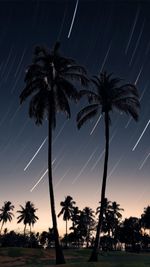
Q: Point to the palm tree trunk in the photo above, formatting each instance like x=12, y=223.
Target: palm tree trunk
x=24, y=229
x=66, y=234
x=59, y=253
x=1, y=227
x=94, y=254
x=30, y=230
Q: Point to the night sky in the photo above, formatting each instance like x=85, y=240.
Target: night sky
x=105, y=35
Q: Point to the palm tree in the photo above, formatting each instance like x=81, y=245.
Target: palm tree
x=109, y=95
x=116, y=210
x=89, y=223
x=130, y=232
x=75, y=217
x=27, y=215
x=6, y=214
x=145, y=218
x=107, y=216
x=48, y=81
x=66, y=211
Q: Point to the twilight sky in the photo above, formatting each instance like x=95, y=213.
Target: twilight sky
x=105, y=35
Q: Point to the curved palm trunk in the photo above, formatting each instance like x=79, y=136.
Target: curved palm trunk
x=59, y=253
x=94, y=254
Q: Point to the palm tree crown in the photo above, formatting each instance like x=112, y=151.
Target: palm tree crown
x=109, y=95
x=67, y=207
x=48, y=79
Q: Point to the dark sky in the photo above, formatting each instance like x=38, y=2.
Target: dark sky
x=106, y=35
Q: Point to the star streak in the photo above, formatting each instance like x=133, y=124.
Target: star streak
x=132, y=30
x=73, y=18
x=114, y=168
x=61, y=129
x=20, y=62
x=95, y=125
x=85, y=165
x=62, y=24
x=41, y=177
x=141, y=166
x=35, y=154
x=137, y=43
x=61, y=179
x=106, y=56
x=141, y=136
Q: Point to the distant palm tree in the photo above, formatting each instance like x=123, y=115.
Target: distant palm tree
x=75, y=217
x=66, y=211
x=116, y=210
x=48, y=81
x=130, y=231
x=145, y=219
x=89, y=223
x=6, y=214
x=106, y=208
x=109, y=95
x=27, y=215
x=107, y=216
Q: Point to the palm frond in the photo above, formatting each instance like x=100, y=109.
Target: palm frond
x=31, y=88
x=62, y=102
x=61, y=212
x=69, y=89
x=88, y=116
x=85, y=111
x=130, y=88
x=129, y=108
x=75, y=68
x=37, y=108
x=77, y=77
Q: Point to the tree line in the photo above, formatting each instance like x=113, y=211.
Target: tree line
x=51, y=81
x=131, y=232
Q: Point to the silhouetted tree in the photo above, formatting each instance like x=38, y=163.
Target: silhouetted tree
x=66, y=211
x=89, y=223
x=130, y=232
x=27, y=215
x=48, y=81
x=74, y=217
x=6, y=214
x=109, y=95
x=145, y=219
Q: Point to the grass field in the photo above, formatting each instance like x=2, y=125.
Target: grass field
x=21, y=257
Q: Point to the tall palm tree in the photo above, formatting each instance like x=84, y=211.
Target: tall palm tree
x=27, y=215
x=66, y=211
x=49, y=83
x=6, y=214
x=109, y=95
